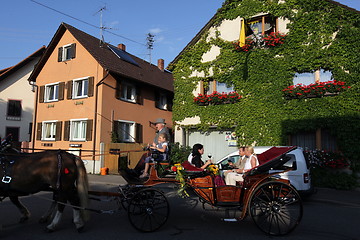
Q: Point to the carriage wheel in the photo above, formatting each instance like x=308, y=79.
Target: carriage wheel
x=276, y=208
x=148, y=210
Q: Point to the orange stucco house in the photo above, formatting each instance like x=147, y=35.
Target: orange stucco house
x=90, y=92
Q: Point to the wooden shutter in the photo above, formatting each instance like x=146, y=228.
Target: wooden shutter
x=73, y=50
x=91, y=87
x=138, y=97
x=42, y=94
x=39, y=131
x=61, y=91
x=138, y=133
x=69, y=89
x=89, y=129
x=118, y=90
x=58, y=131
x=60, y=53
x=66, y=130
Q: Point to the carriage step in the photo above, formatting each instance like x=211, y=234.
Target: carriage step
x=229, y=219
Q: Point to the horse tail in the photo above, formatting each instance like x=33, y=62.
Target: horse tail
x=82, y=188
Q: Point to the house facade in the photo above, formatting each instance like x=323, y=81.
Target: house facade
x=271, y=73
x=17, y=99
x=90, y=92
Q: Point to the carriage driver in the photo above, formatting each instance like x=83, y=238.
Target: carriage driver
x=160, y=128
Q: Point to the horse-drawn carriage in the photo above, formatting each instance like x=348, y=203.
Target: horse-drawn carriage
x=274, y=205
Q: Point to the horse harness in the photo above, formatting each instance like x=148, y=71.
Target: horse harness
x=6, y=166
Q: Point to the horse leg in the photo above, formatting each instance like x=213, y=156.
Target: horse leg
x=23, y=210
x=56, y=220
x=78, y=221
x=77, y=215
x=49, y=214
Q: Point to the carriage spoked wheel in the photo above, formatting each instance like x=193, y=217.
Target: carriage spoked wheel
x=276, y=208
x=148, y=210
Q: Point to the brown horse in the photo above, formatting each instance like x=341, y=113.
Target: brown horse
x=52, y=170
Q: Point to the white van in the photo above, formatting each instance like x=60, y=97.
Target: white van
x=299, y=177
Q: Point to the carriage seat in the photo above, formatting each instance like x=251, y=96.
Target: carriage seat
x=193, y=171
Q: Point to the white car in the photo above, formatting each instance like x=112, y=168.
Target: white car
x=299, y=177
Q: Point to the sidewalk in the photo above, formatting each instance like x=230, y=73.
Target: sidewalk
x=325, y=195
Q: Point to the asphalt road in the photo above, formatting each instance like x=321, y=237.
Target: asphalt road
x=328, y=215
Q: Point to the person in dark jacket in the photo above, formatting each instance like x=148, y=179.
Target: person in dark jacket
x=195, y=157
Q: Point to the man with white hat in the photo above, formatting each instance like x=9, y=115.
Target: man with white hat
x=160, y=128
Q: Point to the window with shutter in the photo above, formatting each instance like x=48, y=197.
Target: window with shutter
x=124, y=130
x=67, y=52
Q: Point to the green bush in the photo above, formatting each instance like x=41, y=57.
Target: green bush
x=337, y=180
x=179, y=153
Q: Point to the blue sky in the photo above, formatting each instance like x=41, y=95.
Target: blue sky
x=26, y=25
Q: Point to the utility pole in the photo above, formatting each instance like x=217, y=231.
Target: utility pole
x=150, y=43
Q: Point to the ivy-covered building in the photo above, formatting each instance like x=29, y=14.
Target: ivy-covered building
x=269, y=72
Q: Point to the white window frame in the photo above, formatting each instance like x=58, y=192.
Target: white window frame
x=128, y=92
x=65, y=53
x=78, y=129
x=84, y=88
x=128, y=135
x=52, y=126
x=55, y=94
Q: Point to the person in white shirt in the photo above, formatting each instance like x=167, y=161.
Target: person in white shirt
x=251, y=162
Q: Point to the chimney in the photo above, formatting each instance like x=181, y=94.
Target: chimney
x=122, y=46
x=161, y=64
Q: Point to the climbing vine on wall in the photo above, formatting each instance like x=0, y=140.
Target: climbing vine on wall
x=321, y=35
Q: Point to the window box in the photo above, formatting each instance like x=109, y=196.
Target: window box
x=315, y=90
x=217, y=98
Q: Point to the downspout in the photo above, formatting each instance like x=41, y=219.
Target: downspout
x=34, y=118
x=95, y=115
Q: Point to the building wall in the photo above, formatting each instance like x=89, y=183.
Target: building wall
x=83, y=65
x=228, y=30
x=17, y=87
x=128, y=111
x=107, y=109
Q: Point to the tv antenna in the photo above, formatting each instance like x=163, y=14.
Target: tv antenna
x=102, y=27
x=150, y=43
